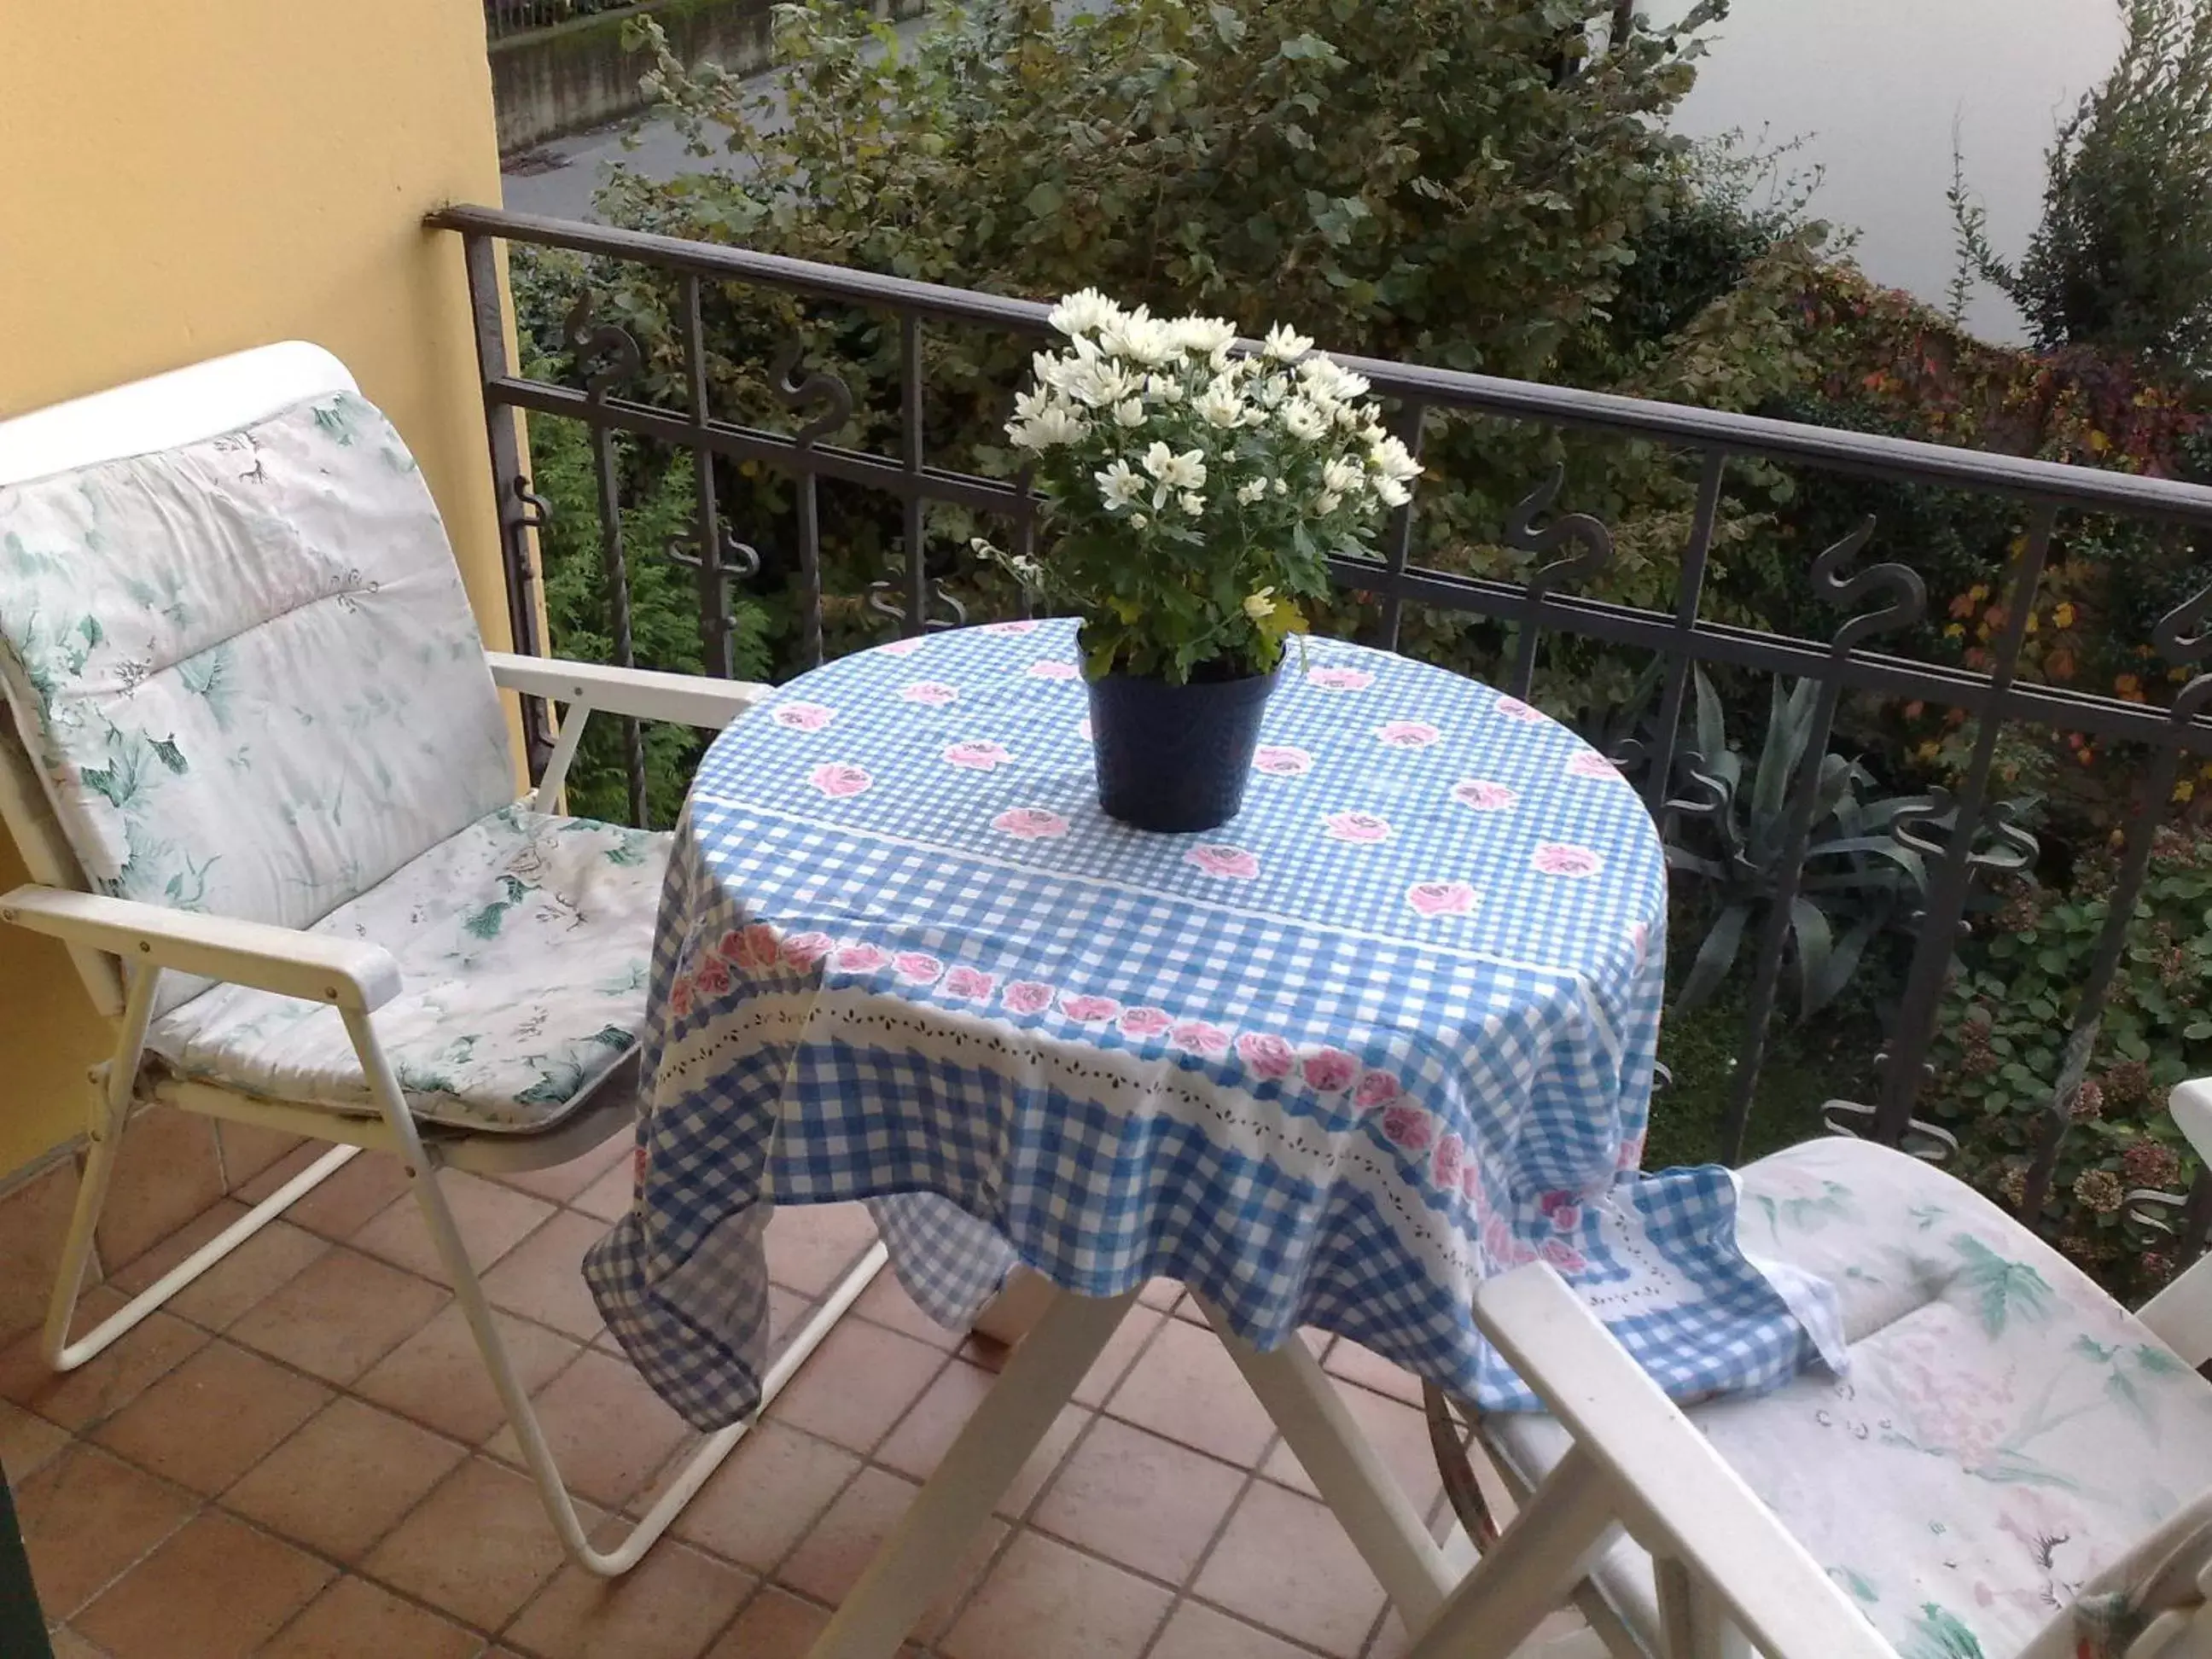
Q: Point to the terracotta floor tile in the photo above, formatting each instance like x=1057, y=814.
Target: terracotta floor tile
x=437, y=1376
x=110, y=1379
x=249, y=1148
x=1139, y=1500
x=1363, y=1366
x=835, y=1553
x=1187, y=1387
x=87, y=1516
x=343, y=1481
x=33, y=1223
x=670, y=1606
x=762, y=1500
x=213, y=1417
x=27, y=1441
x=493, y=1219
x=542, y=1277
x=344, y=1201
x=810, y=1245
x=610, y=1197
x=1397, y=1431
x=266, y=1261
x=926, y=1432
x=886, y=1302
x=777, y=1626
x=477, y=1548
x=260, y=1186
x=860, y=1383
x=1285, y=1563
x=356, y=1619
x=1120, y=1352
x=166, y=1173
x=218, y=1589
x=561, y=1183
x=1044, y=1600
x=607, y=1429
x=1044, y=1462
x=1199, y=1633
x=340, y=1316
x=138, y=1272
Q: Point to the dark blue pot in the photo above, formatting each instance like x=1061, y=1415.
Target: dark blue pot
x=1175, y=757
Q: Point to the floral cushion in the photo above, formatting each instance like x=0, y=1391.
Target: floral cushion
x=2153, y=1603
x=522, y=943
x=2005, y=1431
x=246, y=668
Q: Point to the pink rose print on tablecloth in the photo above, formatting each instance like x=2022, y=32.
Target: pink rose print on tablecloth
x=859, y=958
x=1514, y=709
x=1558, y=858
x=903, y=647
x=803, y=716
x=1409, y=1127
x=1199, y=1037
x=679, y=998
x=1589, y=763
x=1281, y=760
x=1328, y=1071
x=1008, y=627
x=1052, y=668
x=1360, y=829
x=1376, y=1089
x=712, y=977
x=1407, y=734
x=805, y=950
x=933, y=694
x=1144, y=1022
x=1631, y=1154
x=1502, y=1248
x=1027, y=996
x=980, y=755
x=1442, y=898
x=1639, y=941
x=1030, y=823
x=971, y=983
x=1082, y=728
x=1217, y=859
x=1484, y=796
x=1340, y=679
x=835, y=779
x=917, y=967
x=1449, y=1162
x=1470, y=1182
x=1562, y=1255
x=1265, y=1054
x=753, y=949
x=1088, y=1010
x=1563, y=1210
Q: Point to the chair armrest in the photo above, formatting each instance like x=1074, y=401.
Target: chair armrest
x=348, y=973
x=1685, y=1502
x=644, y=693
x=2181, y=1314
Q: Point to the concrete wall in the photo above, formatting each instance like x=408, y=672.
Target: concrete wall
x=183, y=180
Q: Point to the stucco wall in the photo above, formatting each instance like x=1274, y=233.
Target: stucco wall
x=183, y=180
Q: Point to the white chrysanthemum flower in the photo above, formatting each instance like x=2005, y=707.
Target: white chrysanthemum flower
x=1393, y=460
x=1260, y=603
x=1282, y=488
x=1326, y=502
x=1347, y=417
x=1057, y=424
x=1302, y=418
x=1255, y=417
x=1118, y=486
x=1219, y=404
x=1193, y=505
x=1084, y=312
x=1341, y=474
x=1137, y=520
x=1373, y=433
x=1284, y=343
x=1129, y=412
x=1250, y=493
x=1391, y=493
x=1204, y=334
x=1138, y=338
x=1163, y=389
x=1028, y=406
x=1183, y=471
x=1272, y=391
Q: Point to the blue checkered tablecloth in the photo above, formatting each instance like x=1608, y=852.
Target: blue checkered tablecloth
x=1388, y=1031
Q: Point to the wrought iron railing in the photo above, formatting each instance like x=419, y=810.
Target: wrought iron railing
x=1961, y=832
x=506, y=17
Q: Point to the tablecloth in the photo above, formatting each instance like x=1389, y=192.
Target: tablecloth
x=1390, y=1029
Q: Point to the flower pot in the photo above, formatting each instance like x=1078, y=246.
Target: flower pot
x=1175, y=757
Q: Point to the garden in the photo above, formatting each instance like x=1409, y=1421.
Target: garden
x=1493, y=188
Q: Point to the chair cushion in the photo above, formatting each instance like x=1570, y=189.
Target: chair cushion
x=246, y=668
x=522, y=945
x=2005, y=1430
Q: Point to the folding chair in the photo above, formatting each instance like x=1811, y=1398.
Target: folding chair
x=2014, y=1464
x=260, y=774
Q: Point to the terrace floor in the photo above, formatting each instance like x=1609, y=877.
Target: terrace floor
x=302, y=1457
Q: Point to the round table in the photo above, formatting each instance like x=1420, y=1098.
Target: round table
x=1388, y=1031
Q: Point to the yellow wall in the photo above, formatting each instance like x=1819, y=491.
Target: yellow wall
x=180, y=180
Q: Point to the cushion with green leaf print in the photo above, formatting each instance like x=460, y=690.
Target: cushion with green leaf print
x=523, y=944
x=2005, y=1432
x=246, y=668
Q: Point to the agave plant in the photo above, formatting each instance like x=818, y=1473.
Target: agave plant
x=1733, y=833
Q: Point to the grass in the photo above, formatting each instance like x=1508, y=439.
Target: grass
x=1804, y=1067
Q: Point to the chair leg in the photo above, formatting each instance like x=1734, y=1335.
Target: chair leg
x=560, y=1508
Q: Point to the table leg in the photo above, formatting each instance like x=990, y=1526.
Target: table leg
x=911, y=1568
x=1354, y=1481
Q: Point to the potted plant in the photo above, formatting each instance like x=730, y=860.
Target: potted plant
x=1192, y=496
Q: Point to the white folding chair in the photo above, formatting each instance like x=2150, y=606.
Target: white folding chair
x=2015, y=1465
x=260, y=774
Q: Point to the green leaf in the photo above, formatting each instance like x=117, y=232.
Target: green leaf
x=1227, y=23
x=1715, y=956
x=1816, y=947
x=1044, y=199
